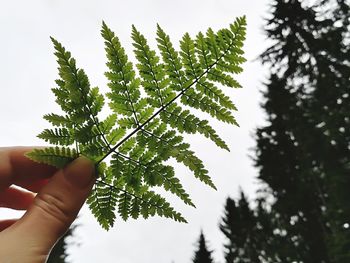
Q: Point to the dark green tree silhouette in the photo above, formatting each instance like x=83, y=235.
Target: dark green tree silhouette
x=239, y=227
x=59, y=252
x=202, y=254
x=252, y=234
x=303, y=153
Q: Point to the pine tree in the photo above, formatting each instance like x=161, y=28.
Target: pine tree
x=253, y=234
x=303, y=153
x=202, y=254
x=239, y=225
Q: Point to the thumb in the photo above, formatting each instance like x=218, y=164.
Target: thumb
x=57, y=204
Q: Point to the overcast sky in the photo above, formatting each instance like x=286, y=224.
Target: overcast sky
x=27, y=73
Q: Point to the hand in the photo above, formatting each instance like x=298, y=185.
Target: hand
x=61, y=194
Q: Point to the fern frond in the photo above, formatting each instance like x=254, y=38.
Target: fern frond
x=82, y=104
x=184, y=121
x=172, y=63
x=125, y=92
x=151, y=72
x=55, y=156
x=124, y=203
x=59, y=136
x=152, y=203
x=102, y=202
x=201, y=100
x=146, y=203
x=151, y=109
x=174, y=70
x=166, y=176
x=169, y=145
x=57, y=120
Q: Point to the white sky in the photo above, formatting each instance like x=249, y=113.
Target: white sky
x=28, y=71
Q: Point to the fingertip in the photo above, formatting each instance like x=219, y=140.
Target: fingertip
x=80, y=173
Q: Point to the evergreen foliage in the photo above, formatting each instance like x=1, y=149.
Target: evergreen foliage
x=239, y=227
x=304, y=151
x=150, y=112
x=253, y=234
x=59, y=253
x=202, y=254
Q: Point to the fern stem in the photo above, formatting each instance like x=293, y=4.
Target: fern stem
x=130, y=159
x=76, y=144
x=93, y=118
x=155, y=136
x=164, y=106
x=129, y=98
x=140, y=164
x=124, y=79
x=157, y=84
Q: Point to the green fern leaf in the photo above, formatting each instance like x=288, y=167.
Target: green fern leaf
x=55, y=156
x=102, y=201
x=151, y=71
x=152, y=203
x=59, y=136
x=57, y=120
x=124, y=205
x=151, y=107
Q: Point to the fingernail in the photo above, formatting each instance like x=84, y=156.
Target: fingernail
x=80, y=172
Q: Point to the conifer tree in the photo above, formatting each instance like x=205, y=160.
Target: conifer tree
x=239, y=225
x=253, y=234
x=303, y=153
x=202, y=254
x=59, y=252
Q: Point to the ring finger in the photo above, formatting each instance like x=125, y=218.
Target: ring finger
x=16, y=198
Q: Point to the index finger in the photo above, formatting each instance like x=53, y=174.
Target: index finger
x=16, y=168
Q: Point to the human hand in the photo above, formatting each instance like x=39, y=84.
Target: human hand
x=61, y=194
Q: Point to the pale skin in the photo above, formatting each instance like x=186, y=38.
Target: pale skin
x=52, y=201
